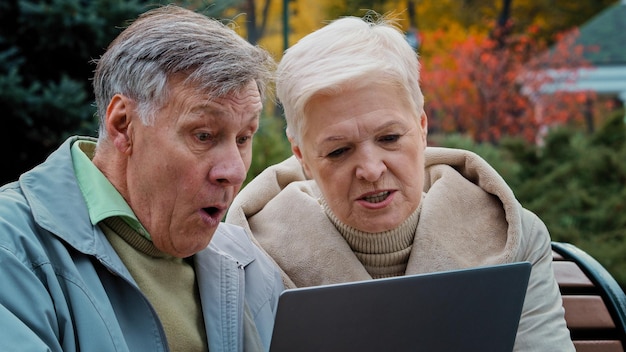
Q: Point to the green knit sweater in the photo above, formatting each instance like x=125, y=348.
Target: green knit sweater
x=168, y=282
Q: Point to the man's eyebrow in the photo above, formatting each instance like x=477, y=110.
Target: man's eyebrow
x=207, y=108
x=255, y=117
x=215, y=109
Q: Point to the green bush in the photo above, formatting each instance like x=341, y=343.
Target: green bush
x=574, y=182
x=270, y=145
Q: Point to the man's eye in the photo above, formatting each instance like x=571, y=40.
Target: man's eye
x=203, y=137
x=243, y=140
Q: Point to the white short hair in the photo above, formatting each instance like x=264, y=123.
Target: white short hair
x=348, y=52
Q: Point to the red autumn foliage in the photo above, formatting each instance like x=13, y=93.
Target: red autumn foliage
x=489, y=86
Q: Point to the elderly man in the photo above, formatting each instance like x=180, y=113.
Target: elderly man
x=117, y=244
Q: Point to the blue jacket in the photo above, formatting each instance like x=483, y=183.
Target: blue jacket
x=64, y=288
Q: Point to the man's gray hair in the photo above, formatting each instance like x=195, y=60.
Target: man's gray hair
x=169, y=41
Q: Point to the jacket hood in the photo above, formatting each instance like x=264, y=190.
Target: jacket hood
x=469, y=217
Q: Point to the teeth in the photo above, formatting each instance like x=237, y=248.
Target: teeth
x=377, y=198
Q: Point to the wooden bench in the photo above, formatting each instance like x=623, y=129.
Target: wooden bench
x=595, y=304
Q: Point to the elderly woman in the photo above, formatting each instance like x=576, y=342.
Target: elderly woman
x=363, y=196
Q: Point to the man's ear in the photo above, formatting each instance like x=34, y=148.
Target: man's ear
x=118, y=122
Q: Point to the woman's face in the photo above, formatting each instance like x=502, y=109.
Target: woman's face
x=365, y=149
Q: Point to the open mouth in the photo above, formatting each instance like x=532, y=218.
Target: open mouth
x=212, y=211
x=376, y=197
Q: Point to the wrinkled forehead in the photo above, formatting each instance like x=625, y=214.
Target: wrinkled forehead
x=247, y=96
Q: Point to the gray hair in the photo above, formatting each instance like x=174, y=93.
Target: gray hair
x=168, y=41
x=348, y=52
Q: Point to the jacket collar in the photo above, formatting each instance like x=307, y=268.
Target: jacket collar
x=56, y=201
x=58, y=206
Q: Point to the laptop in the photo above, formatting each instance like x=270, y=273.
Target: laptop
x=476, y=309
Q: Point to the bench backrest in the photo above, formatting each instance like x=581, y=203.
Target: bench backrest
x=594, y=303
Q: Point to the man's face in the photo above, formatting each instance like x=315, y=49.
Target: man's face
x=185, y=169
x=365, y=149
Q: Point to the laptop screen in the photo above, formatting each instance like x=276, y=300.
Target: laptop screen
x=476, y=309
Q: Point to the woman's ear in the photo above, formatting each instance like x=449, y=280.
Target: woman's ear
x=119, y=122
x=295, y=149
x=424, y=125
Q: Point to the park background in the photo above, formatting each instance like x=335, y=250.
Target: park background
x=500, y=77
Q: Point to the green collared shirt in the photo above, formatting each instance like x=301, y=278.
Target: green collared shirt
x=103, y=200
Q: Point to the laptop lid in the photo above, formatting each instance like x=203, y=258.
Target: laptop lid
x=476, y=309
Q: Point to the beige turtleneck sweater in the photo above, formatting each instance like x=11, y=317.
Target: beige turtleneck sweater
x=383, y=254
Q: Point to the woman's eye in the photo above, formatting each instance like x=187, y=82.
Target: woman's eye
x=389, y=138
x=337, y=152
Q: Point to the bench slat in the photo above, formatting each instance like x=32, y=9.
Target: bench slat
x=599, y=346
x=586, y=312
x=557, y=256
x=568, y=274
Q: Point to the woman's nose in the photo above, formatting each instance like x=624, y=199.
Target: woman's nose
x=370, y=167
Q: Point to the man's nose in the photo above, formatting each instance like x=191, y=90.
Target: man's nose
x=229, y=167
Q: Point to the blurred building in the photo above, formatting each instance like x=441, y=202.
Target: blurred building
x=604, y=40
